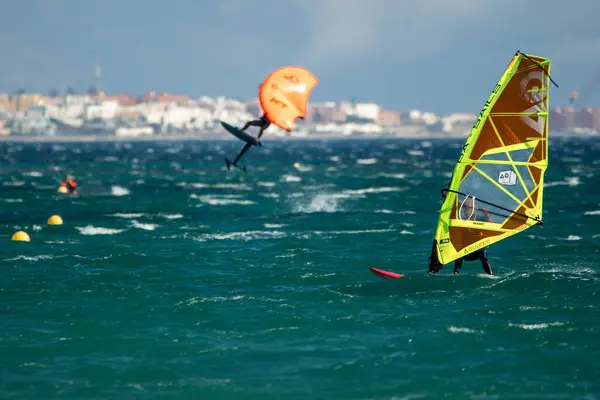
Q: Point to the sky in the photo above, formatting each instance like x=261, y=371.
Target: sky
x=434, y=55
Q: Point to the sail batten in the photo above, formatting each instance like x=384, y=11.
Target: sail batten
x=496, y=189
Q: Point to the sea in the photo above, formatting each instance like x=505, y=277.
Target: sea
x=172, y=277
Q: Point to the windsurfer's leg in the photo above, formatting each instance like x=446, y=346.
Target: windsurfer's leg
x=458, y=265
x=485, y=263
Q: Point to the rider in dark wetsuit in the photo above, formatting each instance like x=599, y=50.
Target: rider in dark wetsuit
x=469, y=213
x=262, y=122
x=70, y=184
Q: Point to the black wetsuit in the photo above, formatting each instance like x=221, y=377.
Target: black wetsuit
x=70, y=187
x=476, y=255
x=262, y=122
x=480, y=254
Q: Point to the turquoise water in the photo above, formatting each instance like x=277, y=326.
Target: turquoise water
x=174, y=278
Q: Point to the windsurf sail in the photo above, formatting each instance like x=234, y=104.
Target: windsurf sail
x=496, y=190
x=284, y=95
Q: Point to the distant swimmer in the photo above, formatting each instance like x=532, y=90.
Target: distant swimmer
x=468, y=212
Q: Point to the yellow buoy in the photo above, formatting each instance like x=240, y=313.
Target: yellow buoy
x=55, y=220
x=296, y=165
x=21, y=236
x=63, y=189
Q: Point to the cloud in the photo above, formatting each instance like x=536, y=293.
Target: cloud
x=343, y=30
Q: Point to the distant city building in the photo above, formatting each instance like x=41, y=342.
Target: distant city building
x=596, y=119
x=585, y=118
x=361, y=111
x=159, y=113
x=388, y=118
x=557, y=120
x=3, y=131
x=162, y=97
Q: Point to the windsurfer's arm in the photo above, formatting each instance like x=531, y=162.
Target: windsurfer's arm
x=487, y=214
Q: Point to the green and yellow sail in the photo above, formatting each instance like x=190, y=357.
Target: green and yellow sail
x=496, y=189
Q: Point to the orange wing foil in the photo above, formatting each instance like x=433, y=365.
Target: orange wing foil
x=284, y=94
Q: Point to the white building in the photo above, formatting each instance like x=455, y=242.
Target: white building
x=100, y=110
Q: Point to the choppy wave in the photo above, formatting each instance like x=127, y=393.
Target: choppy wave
x=290, y=179
x=366, y=161
x=127, y=215
x=93, y=230
x=146, y=227
x=119, y=191
x=531, y=327
x=216, y=200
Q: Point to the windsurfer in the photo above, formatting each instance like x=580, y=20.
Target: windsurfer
x=263, y=123
x=470, y=213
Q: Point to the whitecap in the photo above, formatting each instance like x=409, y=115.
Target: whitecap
x=223, y=201
x=595, y=212
x=366, y=161
x=232, y=186
x=274, y=226
x=271, y=195
x=127, y=215
x=290, y=178
x=171, y=216
x=195, y=185
x=394, y=176
x=92, y=230
x=456, y=329
x=373, y=190
x=30, y=258
x=569, y=181
x=119, y=191
x=319, y=203
x=146, y=227
x=248, y=235
x=13, y=183
x=531, y=327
